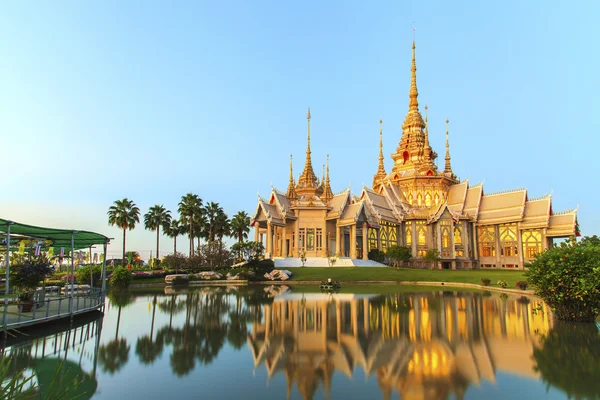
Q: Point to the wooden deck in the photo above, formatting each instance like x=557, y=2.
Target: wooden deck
x=50, y=308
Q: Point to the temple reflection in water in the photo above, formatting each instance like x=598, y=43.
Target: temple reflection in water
x=423, y=346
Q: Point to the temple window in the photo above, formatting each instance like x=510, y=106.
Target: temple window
x=408, y=234
x=459, y=250
x=458, y=235
x=446, y=244
x=310, y=239
x=301, y=238
x=487, y=241
x=437, y=199
x=405, y=156
x=387, y=235
x=410, y=199
x=428, y=199
x=372, y=236
x=532, y=243
x=319, y=239
x=508, y=240
x=419, y=199
x=421, y=233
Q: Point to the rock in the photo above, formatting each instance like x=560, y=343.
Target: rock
x=176, y=278
x=232, y=277
x=207, y=275
x=278, y=275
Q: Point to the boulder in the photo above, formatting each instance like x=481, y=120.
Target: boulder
x=240, y=264
x=278, y=275
x=208, y=275
x=231, y=277
x=176, y=278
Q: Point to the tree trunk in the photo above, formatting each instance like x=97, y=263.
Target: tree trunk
x=191, y=235
x=157, y=237
x=124, y=230
x=175, y=245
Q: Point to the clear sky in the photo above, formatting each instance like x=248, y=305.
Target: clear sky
x=150, y=100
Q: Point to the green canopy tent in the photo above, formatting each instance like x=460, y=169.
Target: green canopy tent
x=49, y=237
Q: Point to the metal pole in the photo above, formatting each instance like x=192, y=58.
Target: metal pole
x=72, y=272
x=104, y=274
x=5, y=316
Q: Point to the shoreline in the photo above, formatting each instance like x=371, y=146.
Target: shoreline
x=291, y=282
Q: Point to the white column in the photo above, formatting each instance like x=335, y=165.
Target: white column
x=364, y=241
x=353, y=241
x=338, y=250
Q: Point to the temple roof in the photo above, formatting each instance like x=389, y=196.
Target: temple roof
x=563, y=224
x=457, y=196
x=337, y=203
x=473, y=201
x=537, y=213
x=502, y=207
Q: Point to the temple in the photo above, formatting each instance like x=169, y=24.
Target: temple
x=415, y=205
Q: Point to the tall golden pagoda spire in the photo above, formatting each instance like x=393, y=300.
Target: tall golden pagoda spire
x=447, y=168
x=413, y=93
x=380, y=175
x=291, y=191
x=327, y=192
x=412, y=153
x=308, y=179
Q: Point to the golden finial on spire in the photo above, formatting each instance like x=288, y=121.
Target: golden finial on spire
x=291, y=191
x=447, y=168
x=380, y=175
x=414, y=93
x=308, y=179
x=327, y=192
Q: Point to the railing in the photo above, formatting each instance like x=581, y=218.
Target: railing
x=51, y=304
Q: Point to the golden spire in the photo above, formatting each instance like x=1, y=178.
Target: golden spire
x=447, y=168
x=380, y=175
x=308, y=179
x=291, y=191
x=327, y=192
x=413, y=94
x=426, y=129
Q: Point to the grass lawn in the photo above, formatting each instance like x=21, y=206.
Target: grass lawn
x=405, y=274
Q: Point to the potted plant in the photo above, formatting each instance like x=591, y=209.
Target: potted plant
x=26, y=279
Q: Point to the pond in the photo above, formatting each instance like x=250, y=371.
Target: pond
x=275, y=342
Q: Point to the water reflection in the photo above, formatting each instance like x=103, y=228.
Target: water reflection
x=62, y=358
x=273, y=342
x=427, y=345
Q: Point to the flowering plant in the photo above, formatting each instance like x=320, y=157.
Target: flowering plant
x=29, y=275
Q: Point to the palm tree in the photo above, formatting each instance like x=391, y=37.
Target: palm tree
x=222, y=226
x=190, y=208
x=156, y=217
x=124, y=214
x=240, y=226
x=173, y=230
x=212, y=210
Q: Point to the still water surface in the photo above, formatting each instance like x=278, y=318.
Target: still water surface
x=280, y=343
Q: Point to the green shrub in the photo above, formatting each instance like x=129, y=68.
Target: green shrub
x=486, y=281
x=503, y=296
x=567, y=278
x=398, y=254
x=376, y=255
x=174, y=262
x=502, y=284
x=522, y=285
x=82, y=275
x=120, y=278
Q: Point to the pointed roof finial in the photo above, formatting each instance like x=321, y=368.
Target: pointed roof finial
x=291, y=191
x=414, y=93
x=380, y=175
x=448, y=168
x=327, y=192
x=308, y=179
x=426, y=130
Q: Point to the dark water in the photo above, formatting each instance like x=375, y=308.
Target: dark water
x=269, y=343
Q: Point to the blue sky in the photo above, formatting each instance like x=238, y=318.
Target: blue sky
x=151, y=100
